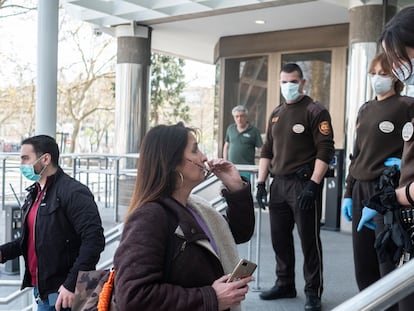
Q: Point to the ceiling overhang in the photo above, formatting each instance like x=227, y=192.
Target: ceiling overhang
x=191, y=28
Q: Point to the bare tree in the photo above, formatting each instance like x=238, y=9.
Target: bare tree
x=17, y=100
x=7, y=9
x=85, y=85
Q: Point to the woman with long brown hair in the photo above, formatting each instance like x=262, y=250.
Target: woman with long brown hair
x=176, y=251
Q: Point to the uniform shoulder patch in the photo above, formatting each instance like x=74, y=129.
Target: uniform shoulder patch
x=324, y=128
x=275, y=119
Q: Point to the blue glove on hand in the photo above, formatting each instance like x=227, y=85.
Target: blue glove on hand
x=347, y=209
x=393, y=161
x=367, y=219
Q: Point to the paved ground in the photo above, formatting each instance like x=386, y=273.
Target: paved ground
x=338, y=268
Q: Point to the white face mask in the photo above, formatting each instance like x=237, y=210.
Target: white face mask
x=290, y=91
x=381, y=84
x=403, y=73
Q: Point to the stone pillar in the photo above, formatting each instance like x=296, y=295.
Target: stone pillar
x=132, y=86
x=132, y=91
x=47, y=52
x=367, y=19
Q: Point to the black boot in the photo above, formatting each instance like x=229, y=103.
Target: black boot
x=313, y=303
x=277, y=292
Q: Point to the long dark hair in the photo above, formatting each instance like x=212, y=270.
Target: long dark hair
x=162, y=149
x=399, y=34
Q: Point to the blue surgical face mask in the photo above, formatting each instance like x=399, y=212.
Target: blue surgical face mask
x=403, y=73
x=28, y=171
x=381, y=84
x=290, y=91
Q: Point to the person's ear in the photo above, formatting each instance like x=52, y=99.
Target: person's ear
x=302, y=85
x=47, y=159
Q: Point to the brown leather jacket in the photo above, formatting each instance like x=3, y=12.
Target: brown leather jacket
x=157, y=269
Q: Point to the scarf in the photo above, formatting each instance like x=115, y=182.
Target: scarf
x=220, y=231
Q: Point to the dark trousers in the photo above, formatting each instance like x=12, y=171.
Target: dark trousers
x=406, y=304
x=368, y=268
x=284, y=214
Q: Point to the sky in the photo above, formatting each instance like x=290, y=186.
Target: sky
x=199, y=74
x=18, y=47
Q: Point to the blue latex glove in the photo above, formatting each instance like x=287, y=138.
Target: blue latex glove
x=347, y=208
x=367, y=219
x=393, y=161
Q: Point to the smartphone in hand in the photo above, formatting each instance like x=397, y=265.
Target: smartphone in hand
x=243, y=269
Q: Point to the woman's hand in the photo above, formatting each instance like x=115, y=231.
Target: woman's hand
x=230, y=294
x=227, y=173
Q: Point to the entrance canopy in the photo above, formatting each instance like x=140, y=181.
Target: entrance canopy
x=191, y=29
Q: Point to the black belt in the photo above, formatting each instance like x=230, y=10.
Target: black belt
x=287, y=176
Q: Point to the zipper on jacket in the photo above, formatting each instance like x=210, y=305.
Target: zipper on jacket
x=35, y=249
x=183, y=246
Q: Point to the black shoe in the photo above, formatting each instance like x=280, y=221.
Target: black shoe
x=313, y=303
x=277, y=292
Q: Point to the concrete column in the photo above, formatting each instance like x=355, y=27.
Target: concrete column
x=47, y=52
x=367, y=19
x=132, y=86
x=132, y=89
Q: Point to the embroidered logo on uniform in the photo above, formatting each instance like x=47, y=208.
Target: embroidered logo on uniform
x=386, y=127
x=407, y=131
x=324, y=128
x=298, y=128
x=246, y=134
x=275, y=119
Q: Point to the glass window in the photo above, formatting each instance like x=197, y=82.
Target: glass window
x=249, y=88
x=316, y=67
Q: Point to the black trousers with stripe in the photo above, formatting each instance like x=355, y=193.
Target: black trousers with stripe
x=284, y=214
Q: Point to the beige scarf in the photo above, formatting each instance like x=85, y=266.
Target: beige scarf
x=220, y=231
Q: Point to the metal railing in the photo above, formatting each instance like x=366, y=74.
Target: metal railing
x=100, y=172
x=387, y=291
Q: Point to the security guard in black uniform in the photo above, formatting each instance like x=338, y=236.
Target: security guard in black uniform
x=298, y=148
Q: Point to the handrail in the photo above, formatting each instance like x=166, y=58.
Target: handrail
x=385, y=292
x=15, y=295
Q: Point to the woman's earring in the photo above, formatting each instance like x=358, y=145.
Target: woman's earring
x=181, y=177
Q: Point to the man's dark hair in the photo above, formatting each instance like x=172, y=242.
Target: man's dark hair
x=292, y=67
x=44, y=144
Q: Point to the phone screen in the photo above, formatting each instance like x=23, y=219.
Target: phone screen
x=243, y=269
